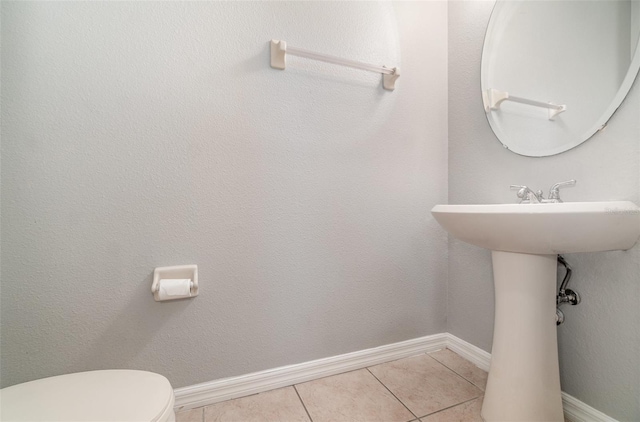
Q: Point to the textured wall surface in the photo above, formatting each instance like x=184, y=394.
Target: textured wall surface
x=137, y=135
x=600, y=340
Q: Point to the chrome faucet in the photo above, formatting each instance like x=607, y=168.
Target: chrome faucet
x=554, y=192
x=528, y=196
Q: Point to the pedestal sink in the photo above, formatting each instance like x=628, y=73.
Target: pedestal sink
x=525, y=239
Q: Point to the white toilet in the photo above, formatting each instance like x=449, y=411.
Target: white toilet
x=112, y=395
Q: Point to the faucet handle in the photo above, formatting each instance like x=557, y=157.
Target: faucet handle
x=522, y=190
x=525, y=194
x=554, y=192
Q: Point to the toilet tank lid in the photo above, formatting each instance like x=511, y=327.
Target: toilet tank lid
x=110, y=395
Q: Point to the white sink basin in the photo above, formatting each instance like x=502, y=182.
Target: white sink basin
x=525, y=239
x=568, y=227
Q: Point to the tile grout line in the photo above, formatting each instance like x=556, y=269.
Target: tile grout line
x=202, y=417
x=201, y=409
x=447, y=408
x=301, y=401
x=357, y=369
x=464, y=359
x=391, y=392
x=460, y=376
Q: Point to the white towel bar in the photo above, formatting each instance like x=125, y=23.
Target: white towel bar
x=492, y=98
x=279, y=50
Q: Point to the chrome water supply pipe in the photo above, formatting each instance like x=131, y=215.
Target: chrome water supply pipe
x=565, y=295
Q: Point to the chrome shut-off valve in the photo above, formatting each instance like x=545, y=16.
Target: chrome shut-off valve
x=565, y=295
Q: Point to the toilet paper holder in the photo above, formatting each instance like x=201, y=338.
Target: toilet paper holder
x=175, y=272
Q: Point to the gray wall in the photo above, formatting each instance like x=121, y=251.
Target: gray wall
x=151, y=134
x=137, y=135
x=600, y=340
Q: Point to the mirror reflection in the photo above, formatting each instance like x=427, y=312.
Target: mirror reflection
x=554, y=72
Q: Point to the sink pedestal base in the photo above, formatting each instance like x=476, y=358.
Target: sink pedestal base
x=524, y=379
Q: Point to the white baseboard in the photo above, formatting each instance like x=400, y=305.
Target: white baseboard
x=577, y=411
x=257, y=382
x=473, y=354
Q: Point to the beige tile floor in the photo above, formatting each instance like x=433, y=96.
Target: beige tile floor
x=435, y=387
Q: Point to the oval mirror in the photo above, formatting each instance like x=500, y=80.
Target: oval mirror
x=554, y=72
